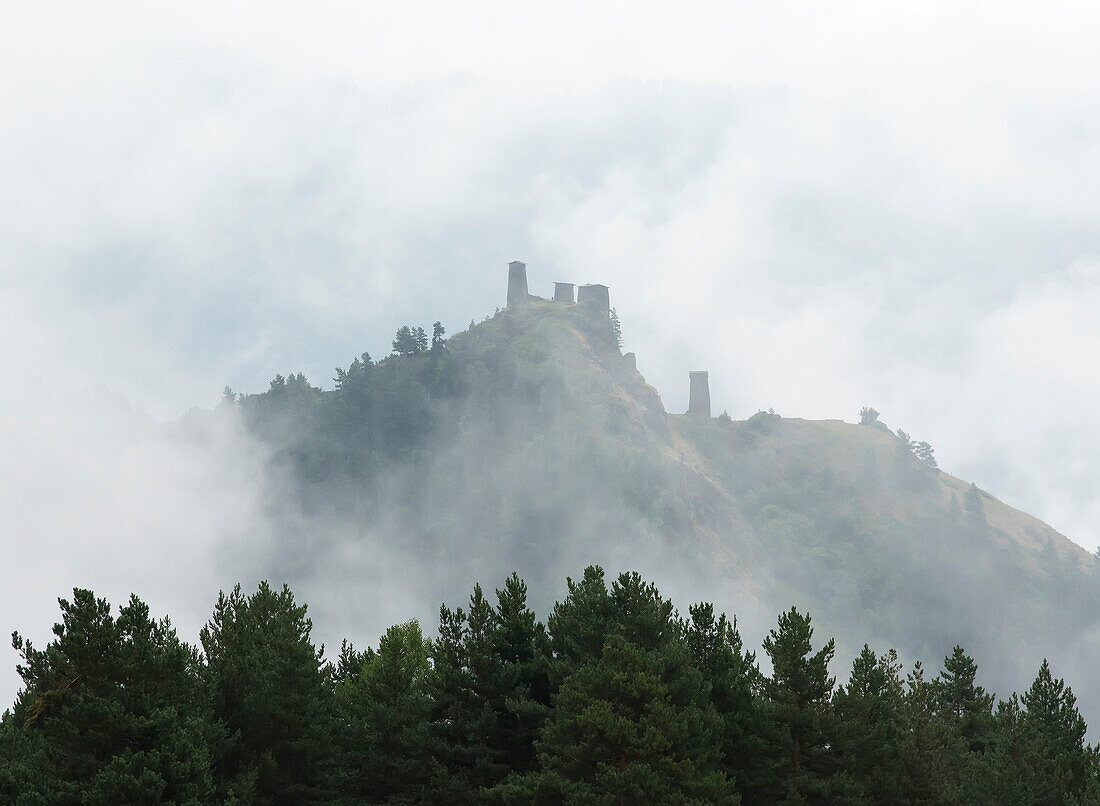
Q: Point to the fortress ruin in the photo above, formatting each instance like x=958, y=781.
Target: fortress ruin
x=598, y=298
x=591, y=293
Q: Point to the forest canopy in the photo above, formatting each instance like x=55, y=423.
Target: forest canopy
x=617, y=698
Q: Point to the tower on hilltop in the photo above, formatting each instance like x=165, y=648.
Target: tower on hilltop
x=517, y=282
x=563, y=292
x=595, y=293
x=699, y=394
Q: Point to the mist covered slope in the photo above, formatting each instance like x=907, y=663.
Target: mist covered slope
x=528, y=442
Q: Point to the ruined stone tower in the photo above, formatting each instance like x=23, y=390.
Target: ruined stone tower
x=563, y=292
x=517, y=282
x=595, y=293
x=699, y=394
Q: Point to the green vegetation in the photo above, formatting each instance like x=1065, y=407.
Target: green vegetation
x=524, y=441
x=617, y=699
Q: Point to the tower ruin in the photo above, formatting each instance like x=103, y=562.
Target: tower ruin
x=563, y=292
x=699, y=394
x=517, y=282
x=595, y=293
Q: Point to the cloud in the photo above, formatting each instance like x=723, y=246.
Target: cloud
x=99, y=495
x=825, y=206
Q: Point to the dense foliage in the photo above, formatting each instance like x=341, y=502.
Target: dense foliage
x=523, y=440
x=618, y=699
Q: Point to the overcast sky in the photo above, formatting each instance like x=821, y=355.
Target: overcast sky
x=825, y=205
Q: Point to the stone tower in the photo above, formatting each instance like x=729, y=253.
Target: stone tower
x=595, y=293
x=563, y=292
x=517, y=282
x=699, y=394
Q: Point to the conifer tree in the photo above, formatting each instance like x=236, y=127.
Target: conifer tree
x=870, y=709
x=579, y=624
x=522, y=650
x=929, y=749
x=620, y=702
x=489, y=668
x=975, y=521
x=410, y=340
x=616, y=329
x=464, y=692
x=483, y=665
x=272, y=692
x=798, y=695
x=384, y=714
x=732, y=677
x=112, y=711
x=964, y=703
x=631, y=722
x=447, y=684
x=1002, y=772
x=1056, y=730
x=926, y=453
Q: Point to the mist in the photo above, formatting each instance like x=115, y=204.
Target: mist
x=826, y=208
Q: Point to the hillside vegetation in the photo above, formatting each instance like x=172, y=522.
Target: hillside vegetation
x=527, y=442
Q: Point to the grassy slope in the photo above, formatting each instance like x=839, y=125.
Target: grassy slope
x=796, y=445
x=544, y=452
x=820, y=513
x=618, y=407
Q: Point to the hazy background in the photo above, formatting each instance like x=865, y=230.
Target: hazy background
x=825, y=207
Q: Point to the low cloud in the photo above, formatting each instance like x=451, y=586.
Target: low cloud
x=826, y=207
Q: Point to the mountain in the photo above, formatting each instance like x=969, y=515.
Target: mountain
x=529, y=442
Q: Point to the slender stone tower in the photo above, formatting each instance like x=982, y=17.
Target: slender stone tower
x=595, y=293
x=699, y=394
x=563, y=292
x=517, y=282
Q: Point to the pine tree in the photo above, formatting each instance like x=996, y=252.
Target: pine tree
x=1056, y=730
x=926, y=453
x=112, y=711
x=732, y=677
x=631, y=722
x=410, y=341
x=353, y=379
x=464, y=691
x=448, y=688
x=384, y=714
x=870, y=709
x=964, y=702
x=929, y=749
x=798, y=695
x=579, y=624
x=272, y=692
x=975, y=522
x=522, y=692
x=1002, y=772
x=616, y=329
x=490, y=693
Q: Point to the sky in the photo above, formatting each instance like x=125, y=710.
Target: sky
x=826, y=206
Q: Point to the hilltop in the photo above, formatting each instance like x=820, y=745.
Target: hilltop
x=530, y=442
